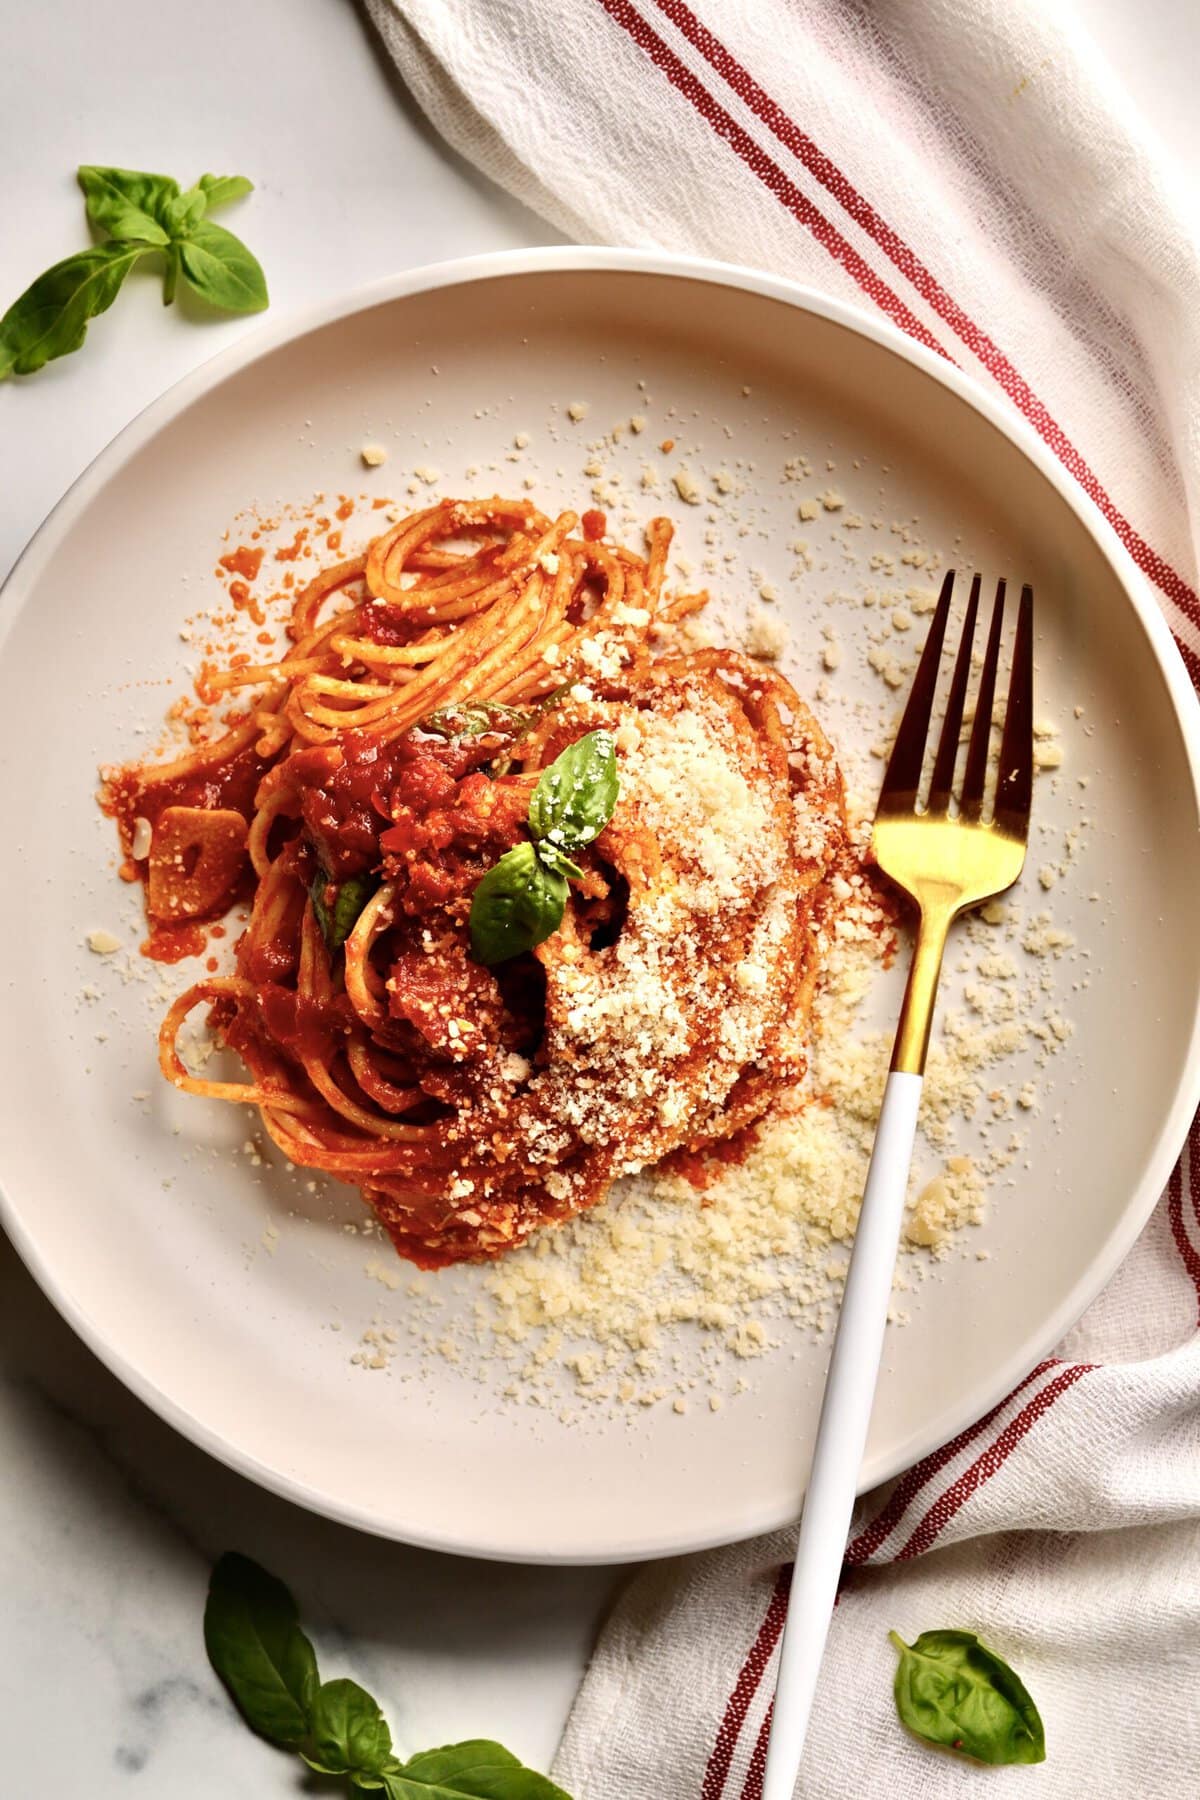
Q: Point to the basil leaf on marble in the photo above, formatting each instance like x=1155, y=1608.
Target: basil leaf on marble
x=476, y=1770
x=952, y=1690
x=254, y=1642
x=575, y=796
x=518, y=904
x=348, y=1734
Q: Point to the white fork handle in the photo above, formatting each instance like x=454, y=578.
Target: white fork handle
x=842, y=1432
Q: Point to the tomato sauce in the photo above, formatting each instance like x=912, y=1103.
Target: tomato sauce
x=244, y=562
x=172, y=942
x=289, y=552
x=384, y=624
x=404, y=802
x=130, y=794
x=134, y=793
x=303, y=1026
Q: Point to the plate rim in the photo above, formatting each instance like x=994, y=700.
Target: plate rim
x=583, y=259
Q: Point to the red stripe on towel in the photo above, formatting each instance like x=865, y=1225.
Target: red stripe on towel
x=992, y=1459
x=904, y=258
x=768, y=171
x=910, y=1484
x=749, y=1676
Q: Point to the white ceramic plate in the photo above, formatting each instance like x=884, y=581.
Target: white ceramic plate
x=153, y=1248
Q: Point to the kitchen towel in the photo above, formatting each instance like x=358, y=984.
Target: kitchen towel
x=972, y=170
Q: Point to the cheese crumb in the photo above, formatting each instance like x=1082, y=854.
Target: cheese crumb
x=102, y=942
x=577, y=410
x=766, y=635
x=373, y=455
x=687, y=487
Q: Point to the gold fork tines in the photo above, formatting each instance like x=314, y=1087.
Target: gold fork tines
x=948, y=861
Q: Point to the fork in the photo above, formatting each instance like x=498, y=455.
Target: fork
x=946, y=861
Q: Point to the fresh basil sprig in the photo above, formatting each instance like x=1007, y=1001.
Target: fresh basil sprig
x=520, y=901
x=142, y=214
x=255, y=1644
x=350, y=896
x=952, y=1690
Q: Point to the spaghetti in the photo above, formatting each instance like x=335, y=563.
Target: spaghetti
x=377, y=771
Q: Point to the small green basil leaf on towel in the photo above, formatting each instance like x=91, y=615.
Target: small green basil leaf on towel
x=952, y=1690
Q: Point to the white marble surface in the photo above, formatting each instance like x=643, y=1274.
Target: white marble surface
x=108, y=1521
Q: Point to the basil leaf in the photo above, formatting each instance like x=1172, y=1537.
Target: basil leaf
x=127, y=203
x=219, y=190
x=574, y=799
x=551, y=857
x=475, y=720
x=338, y=921
x=518, y=904
x=182, y=214
x=952, y=1690
x=254, y=1642
x=348, y=1732
x=51, y=317
x=478, y=1770
x=222, y=270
